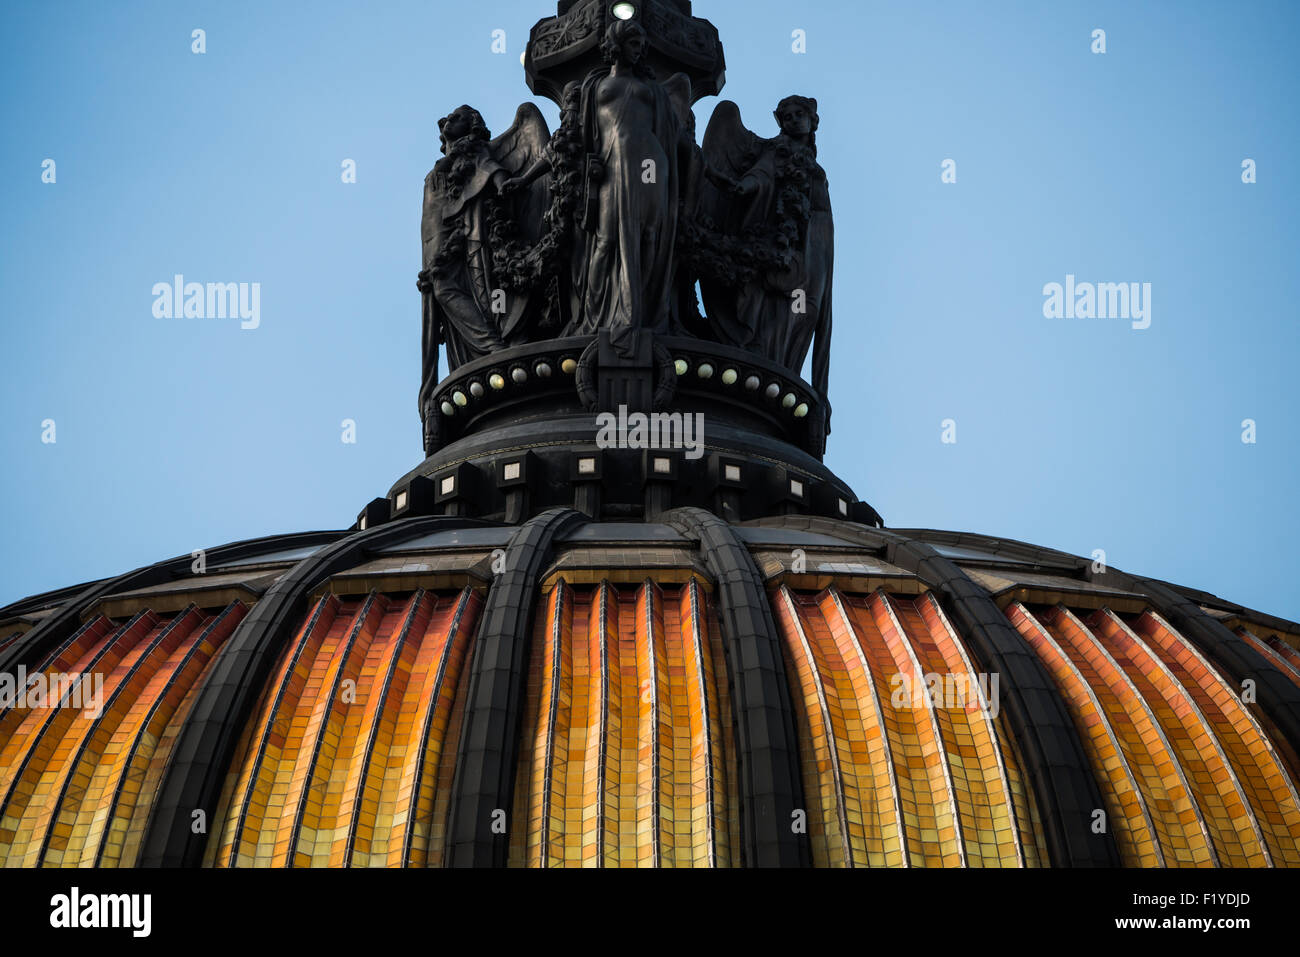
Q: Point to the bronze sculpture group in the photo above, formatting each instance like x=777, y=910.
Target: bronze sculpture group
x=611, y=222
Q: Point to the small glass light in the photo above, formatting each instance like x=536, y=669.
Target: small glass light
x=476, y=389
x=705, y=371
x=788, y=400
x=521, y=58
x=448, y=485
x=663, y=466
x=624, y=11
x=586, y=466
x=801, y=410
x=448, y=409
x=459, y=398
x=729, y=376
x=401, y=501
x=752, y=383
x=731, y=473
x=497, y=381
x=681, y=366
x=543, y=370
x=569, y=366
x=519, y=375
x=511, y=471
x=772, y=390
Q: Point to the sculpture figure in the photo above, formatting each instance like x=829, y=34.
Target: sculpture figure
x=634, y=134
x=604, y=229
x=466, y=304
x=766, y=281
x=545, y=265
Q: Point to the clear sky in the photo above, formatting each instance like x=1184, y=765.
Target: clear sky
x=176, y=434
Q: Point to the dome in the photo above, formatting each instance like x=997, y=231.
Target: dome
x=791, y=690
x=622, y=613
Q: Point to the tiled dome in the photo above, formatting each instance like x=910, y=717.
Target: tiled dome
x=791, y=690
x=622, y=613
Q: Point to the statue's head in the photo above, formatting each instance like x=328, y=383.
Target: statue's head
x=459, y=123
x=625, y=42
x=797, y=116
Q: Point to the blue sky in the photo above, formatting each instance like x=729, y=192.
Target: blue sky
x=176, y=434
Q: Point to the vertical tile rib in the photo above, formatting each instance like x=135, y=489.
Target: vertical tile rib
x=1024, y=798
x=1136, y=833
x=320, y=728
x=555, y=678
x=413, y=820
x=889, y=844
x=1223, y=801
x=703, y=707
x=950, y=839
x=1185, y=833
x=1001, y=803
x=649, y=629
x=56, y=731
x=582, y=769
x=622, y=738
x=253, y=789
x=29, y=726
x=921, y=793
x=683, y=741
x=824, y=739
x=391, y=810
x=1276, y=699
x=1057, y=773
x=602, y=631
x=1262, y=776
x=622, y=729
x=457, y=682
x=205, y=750
x=62, y=659
x=379, y=734
x=57, y=818
x=325, y=832
x=108, y=837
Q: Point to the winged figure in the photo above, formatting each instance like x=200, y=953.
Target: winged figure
x=467, y=302
x=775, y=298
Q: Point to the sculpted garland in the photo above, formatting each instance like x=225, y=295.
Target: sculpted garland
x=612, y=221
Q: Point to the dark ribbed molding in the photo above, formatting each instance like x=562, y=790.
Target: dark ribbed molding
x=1277, y=699
x=206, y=744
x=1056, y=766
x=488, y=752
x=60, y=625
x=767, y=756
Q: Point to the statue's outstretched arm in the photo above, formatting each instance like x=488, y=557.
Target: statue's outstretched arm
x=541, y=166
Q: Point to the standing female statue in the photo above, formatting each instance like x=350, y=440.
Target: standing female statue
x=634, y=132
